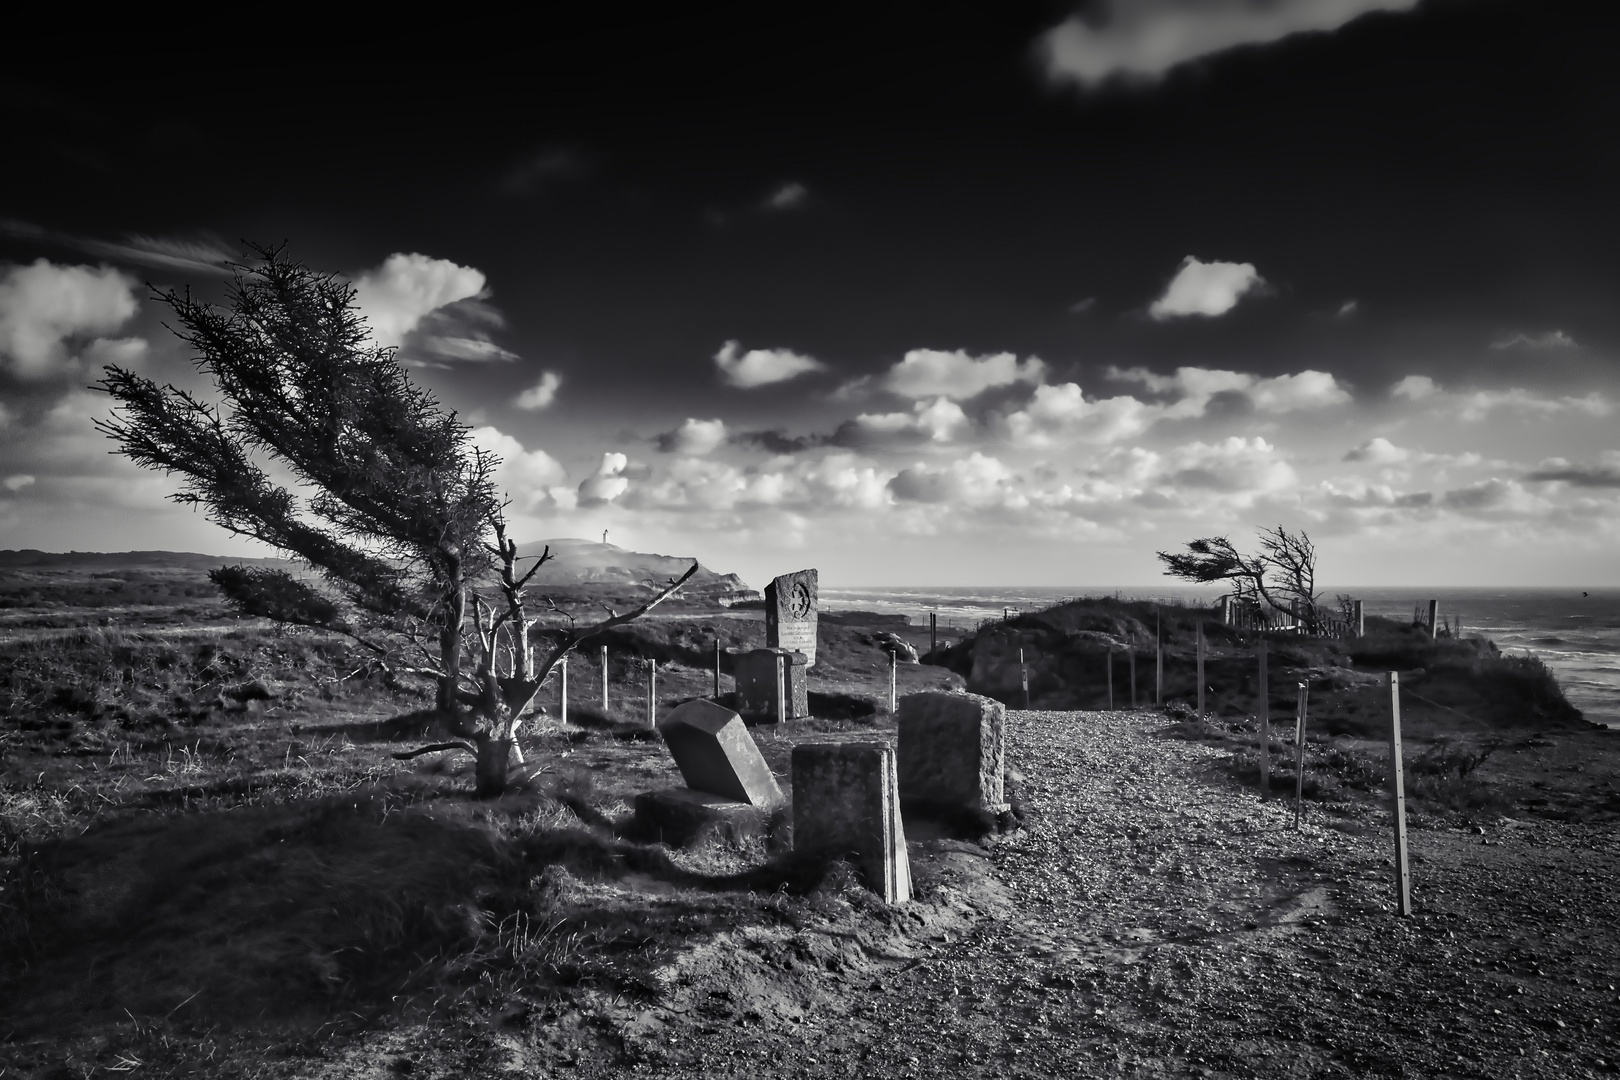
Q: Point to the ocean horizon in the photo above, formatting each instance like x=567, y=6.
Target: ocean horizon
x=1574, y=631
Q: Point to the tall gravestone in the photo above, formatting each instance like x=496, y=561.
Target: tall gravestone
x=790, y=613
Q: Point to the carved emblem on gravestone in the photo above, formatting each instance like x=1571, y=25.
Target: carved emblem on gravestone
x=790, y=613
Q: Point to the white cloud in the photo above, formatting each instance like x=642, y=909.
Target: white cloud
x=762, y=367
x=1476, y=405
x=695, y=437
x=1194, y=389
x=1143, y=39
x=1415, y=388
x=1233, y=467
x=1550, y=339
x=531, y=478
x=44, y=307
x=16, y=482
x=1063, y=411
x=789, y=196
x=396, y=296
x=1306, y=390
x=541, y=394
x=976, y=480
x=1208, y=289
x=1378, y=451
x=935, y=373
x=939, y=421
x=1348, y=308
x=608, y=482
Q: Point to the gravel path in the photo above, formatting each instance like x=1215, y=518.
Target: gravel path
x=1169, y=923
x=1165, y=922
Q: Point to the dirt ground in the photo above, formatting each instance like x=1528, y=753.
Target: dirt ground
x=1152, y=918
x=239, y=883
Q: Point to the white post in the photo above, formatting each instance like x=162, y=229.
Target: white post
x=894, y=664
x=782, y=688
x=1263, y=707
x=1130, y=655
x=1434, y=617
x=1158, y=657
x=1360, y=627
x=1110, y=675
x=1200, y=669
x=1299, y=756
x=652, y=693
x=562, y=706
x=1397, y=793
x=604, y=680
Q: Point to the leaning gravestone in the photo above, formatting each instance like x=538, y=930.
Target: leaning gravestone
x=846, y=804
x=757, y=672
x=951, y=753
x=790, y=614
x=727, y=779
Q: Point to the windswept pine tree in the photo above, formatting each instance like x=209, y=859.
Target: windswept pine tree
x=404, y=525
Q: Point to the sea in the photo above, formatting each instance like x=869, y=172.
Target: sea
x=1575, y=632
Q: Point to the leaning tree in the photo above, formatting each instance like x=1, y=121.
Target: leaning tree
x=402, y=524
x=1282, y=576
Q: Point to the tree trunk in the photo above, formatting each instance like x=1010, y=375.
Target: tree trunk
x=494, y=756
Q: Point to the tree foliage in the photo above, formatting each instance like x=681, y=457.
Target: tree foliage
x=403, y=525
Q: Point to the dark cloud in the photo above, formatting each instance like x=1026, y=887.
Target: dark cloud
x=1578, y=475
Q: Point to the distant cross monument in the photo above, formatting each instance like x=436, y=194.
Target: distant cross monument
x=790, y=613
x=604, y=536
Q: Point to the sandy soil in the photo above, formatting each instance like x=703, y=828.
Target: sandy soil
x=1151, y=919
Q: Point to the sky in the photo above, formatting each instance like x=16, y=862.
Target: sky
x=936, y=294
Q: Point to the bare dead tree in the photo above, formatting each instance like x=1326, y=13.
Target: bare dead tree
x=1282, y=576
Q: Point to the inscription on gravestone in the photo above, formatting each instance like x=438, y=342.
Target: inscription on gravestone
x=790, y=613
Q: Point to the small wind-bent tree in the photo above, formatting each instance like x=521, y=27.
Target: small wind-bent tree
x=403, y=526
x=1281, y=577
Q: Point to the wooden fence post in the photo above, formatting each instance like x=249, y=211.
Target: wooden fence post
x=1263, y=707
x=1130, y=655
x=1024, y=674
x=562, y=705
x=894, y=664
x=604, y=680
x=1200, y=669
x=1397, y=793
x=652, y=693
x=1434, y=617
x=1359, y=629
x=1299, y=756
x=717, y=669
x=933, y=632
x=1110, y=675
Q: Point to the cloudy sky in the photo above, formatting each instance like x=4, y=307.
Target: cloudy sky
x=929, y=296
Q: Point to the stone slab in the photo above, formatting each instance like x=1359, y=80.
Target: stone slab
x=846, y=805
x=712, y=748
x=951, y=753
x=756, y=684
x=677, y=816
x=791, y=608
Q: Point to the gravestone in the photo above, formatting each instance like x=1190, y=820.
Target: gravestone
x=712, y=748
x=846, y=805
x=727, y=780
x=756, y=675
x=790, y=614
x=951, y=752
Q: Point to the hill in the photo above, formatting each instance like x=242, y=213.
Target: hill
x=587, y=563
